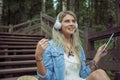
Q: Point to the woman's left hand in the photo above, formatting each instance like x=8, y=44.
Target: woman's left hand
x=101, y=52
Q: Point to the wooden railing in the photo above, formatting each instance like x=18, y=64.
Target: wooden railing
x=111, y=61
x=42, y=25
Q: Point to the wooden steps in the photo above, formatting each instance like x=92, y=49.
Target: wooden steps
x=14, y=63
x=17, y=70
x=17, y=55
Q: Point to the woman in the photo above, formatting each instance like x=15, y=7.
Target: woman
x=63, y=58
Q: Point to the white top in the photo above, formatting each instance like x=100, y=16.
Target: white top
x=72, y=68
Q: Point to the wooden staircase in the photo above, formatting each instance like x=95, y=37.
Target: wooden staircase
x=17, y=50
x=17, y=55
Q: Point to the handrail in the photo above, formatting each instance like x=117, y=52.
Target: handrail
x=27, y=27
x=24, y=23
x=104, y=34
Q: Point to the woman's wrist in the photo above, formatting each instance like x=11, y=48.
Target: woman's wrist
x=95, y=64
x=96, y=60
x=38, y=57
x=39, y=60
x=92, y=64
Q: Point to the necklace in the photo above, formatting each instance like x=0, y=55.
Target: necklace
x=70, y=53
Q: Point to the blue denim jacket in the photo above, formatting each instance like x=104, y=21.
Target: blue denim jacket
x=53, y=58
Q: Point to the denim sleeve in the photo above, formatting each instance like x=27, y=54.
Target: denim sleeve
x=46, y=76
x=85, y=70
x=48, y=63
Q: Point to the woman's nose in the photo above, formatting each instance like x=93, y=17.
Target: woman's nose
x=72, y=23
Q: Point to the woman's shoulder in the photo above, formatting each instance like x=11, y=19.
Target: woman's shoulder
x=53, y=49
x=52, y=43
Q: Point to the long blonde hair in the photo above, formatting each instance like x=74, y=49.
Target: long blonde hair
x=58, y=36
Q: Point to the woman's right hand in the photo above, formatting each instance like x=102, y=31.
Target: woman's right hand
x=41, y=46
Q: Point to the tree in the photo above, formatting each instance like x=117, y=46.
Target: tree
x=118, y=12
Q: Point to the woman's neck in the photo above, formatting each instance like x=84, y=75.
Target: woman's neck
x=68, y=42
x=67, y=39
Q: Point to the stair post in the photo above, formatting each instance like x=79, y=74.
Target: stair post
x=1, y=4
x=10, y=28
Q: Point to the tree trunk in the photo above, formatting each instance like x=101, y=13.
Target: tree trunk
x=43, y=6
x=118, y=12
x=72, y=2
x=64, y=5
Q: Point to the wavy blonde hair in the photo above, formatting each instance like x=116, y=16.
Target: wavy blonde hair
x=58, y=36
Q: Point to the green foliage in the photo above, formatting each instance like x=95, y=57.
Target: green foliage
x=14, y=7
x=110, y=74
x=98, y=43
x=99, y=27
x=90, y=13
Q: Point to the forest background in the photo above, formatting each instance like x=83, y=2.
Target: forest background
x=97, y=14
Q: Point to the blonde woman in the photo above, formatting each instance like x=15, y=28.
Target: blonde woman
x=63, y=58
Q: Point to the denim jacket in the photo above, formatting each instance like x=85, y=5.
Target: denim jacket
x=53, y=58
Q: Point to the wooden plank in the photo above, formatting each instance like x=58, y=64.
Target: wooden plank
x=30, y=56
x=19, y=34
x=104, y=34
x=20, y=50
x=18, y=40
x=17, y=47
x=21, y=37
x=13, y=78
x=17, y=43
x=18, y=70
x=12, y=63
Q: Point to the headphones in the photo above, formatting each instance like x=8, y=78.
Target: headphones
x=57, y=24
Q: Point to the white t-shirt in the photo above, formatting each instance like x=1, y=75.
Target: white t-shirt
x=72, y=68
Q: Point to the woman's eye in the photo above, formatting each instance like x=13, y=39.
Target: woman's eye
x=67, y=20
x=73, y=21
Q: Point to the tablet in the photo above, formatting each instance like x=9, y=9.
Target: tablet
x=109, y=40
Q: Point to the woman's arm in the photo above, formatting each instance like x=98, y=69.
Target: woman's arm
x=40, y=48
x=40, y=65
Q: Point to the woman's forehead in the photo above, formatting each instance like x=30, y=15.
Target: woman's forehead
x=68, y=16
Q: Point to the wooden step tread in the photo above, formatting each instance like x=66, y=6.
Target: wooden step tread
x=19, y=40
x=17, y=62
x=15, y=78
x=16, y=70
x=17, y=43
x=20, y=50
x=21, y=37
x=16, y=56
x=17, y=47
x=18, y=34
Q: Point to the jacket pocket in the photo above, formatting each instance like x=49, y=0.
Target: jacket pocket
x=58, y=59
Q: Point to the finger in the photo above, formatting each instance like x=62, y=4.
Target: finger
x=105, y=53
x=45, y=44
x=103, y=47
x=41, y=42
x=41, y=48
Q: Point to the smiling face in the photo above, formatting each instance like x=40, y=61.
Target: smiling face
x=68, y=25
